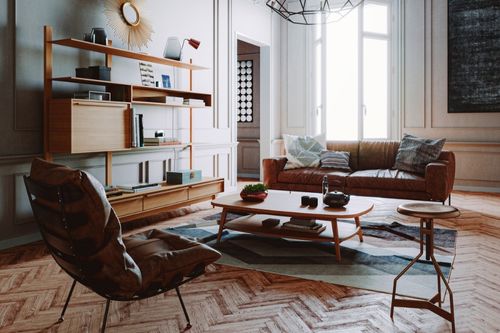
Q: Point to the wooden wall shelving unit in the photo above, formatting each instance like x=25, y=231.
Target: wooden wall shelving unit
x=83, y=126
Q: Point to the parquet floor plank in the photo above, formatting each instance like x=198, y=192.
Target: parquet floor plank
x=228, y=299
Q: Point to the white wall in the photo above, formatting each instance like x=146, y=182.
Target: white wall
x=475, y=138
x=213, y=22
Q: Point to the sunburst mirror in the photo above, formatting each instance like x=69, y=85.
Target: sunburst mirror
x=124, y=17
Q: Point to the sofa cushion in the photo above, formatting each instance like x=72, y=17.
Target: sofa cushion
x=335, y=160
x=415, y=153
x=377, y=154
x=352, y=147
x=301, y=151
x=386, y=179
x=313, y=176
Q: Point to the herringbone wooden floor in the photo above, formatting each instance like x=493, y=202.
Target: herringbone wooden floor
x=226, y=299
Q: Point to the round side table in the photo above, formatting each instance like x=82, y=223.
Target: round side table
x=427, y=212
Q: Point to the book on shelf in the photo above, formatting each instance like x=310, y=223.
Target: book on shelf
x=137, y=129
x=161, y=144
x=194, y=102
x=302, y=222
x=317, y=228
x=174, y=100
x=161, y=141
x=138, y=187
x=161, y=99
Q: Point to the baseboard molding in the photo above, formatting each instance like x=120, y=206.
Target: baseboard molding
x=466, y=188
x=26, y=239
x=249, y=175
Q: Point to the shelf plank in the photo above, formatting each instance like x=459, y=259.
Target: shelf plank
x=142, y=91
x=110, y=50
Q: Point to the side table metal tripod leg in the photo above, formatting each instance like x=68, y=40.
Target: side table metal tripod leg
x=394, y=287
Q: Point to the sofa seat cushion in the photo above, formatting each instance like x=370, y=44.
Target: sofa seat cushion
x=313, y=176
x=165, y=258
x=386, y=179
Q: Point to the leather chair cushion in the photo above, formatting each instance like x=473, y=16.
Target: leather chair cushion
x=386, y=179
x=103, y=263
x=164, y=258
x=313, y=176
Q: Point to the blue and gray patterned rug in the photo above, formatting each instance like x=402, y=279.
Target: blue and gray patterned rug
x=372, y=265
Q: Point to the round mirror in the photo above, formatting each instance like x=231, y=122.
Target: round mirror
x=131, y=14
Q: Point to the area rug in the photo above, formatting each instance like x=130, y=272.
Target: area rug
x=372, y=265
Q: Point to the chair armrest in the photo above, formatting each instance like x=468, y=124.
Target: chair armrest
x=271, y=168
x=437, y=180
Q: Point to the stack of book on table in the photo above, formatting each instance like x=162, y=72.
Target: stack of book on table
x=194, y=102
x=304, y=225
x=138, y=187
x=161, y=141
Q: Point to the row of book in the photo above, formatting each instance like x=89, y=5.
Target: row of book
x=137, y=129
x=138, y=139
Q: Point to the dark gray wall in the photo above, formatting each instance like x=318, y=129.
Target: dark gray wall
x=21, y=93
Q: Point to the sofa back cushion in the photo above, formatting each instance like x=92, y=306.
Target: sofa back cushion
x=377, y=154
x=352, y=147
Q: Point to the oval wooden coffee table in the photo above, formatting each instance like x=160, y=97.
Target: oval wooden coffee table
x=283, y=205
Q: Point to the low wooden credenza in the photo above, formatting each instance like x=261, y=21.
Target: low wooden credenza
x=131, y=206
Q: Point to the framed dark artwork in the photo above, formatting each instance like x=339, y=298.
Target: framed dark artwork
x=473, y=56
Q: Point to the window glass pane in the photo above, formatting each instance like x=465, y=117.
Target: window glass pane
x=375, y=89
x=342, y=78
x=375, y=18
x=317, y=87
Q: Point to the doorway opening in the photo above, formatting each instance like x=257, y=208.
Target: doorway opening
x=248, y=108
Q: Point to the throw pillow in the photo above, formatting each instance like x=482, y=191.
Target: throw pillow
x=415, y=153
x=302, y=151
x=335, y=160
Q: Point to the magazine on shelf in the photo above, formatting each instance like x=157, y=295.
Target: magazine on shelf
x=138, y=187
x=314, y=229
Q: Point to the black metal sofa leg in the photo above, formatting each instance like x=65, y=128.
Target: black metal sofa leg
x=188, y=326
x=61, y=318
x=103, y=328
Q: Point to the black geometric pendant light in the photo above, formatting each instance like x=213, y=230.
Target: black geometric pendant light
x=311, y=12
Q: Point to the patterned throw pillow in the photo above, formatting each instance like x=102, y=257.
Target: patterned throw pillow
x=301, y=151
x=335, y=160
x=415, y=153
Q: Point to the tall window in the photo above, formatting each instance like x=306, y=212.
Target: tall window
x=357, y=62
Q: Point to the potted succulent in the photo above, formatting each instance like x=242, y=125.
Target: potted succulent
x=254, y=192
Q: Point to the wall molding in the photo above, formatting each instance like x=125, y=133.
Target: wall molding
x=16, y=125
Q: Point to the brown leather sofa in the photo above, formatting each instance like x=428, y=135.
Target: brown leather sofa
x=372, y=174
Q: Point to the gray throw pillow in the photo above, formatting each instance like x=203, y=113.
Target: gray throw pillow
x=335, y=160
x=415, y=153
x=301, y=151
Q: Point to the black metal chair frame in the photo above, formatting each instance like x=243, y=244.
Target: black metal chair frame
x=57, y=192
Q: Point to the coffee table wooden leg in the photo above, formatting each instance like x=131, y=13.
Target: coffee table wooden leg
x=358, y=225
x=221, y=224
x=335, y=230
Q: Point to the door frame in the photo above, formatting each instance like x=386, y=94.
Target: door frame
x=265, y=97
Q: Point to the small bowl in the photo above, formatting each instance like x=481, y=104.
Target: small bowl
x=253, y=197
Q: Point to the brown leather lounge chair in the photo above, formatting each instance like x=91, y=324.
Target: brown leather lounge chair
x=83, y=234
